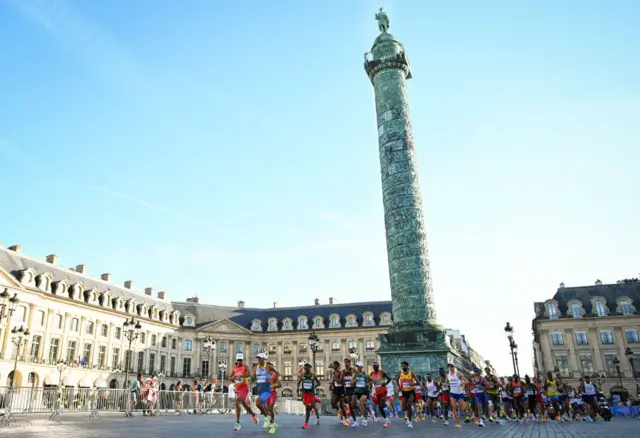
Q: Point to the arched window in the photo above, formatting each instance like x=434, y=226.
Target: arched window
x=385, y=318
x=256, y=325
x=273, y=325
x=90, y=327
x=576, y=310
x=334, y=321
x=351, y=321
x=368, y=320
x=318, y=322
x=302, y=323
x=287, y=324
x=57, y=322
x=74, y=325
x=552, y=310
x=625, y=307
x=600, y=309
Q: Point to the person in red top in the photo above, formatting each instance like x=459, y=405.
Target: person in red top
x=240, y=376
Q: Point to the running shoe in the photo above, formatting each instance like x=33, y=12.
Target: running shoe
x=458, y=425
x=305, y=426
x=255, y=418
x=273, y=428
x=236, y=427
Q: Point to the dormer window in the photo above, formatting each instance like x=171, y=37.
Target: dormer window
x=351, y=321
x=600, y=309
x=302, y=323
x=576, y=310
x=625, y=307
x=318, y=322
x=287, y=324
x=256, y=325
x=273, y=325
x=368, y=320
x=552, y=310
x=334, y=321
x=385, y=318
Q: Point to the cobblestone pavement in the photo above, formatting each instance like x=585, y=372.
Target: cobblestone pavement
x=222, y=425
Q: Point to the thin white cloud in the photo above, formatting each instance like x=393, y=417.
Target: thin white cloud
x=146, y=204
x=12, y=152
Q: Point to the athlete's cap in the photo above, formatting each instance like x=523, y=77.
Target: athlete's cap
x=239, y=356
x=451, y=364
x=261, y=355
x=358, y=364
x=487, y=368
x=307, y=364
x=587, y=377
x=375, y=364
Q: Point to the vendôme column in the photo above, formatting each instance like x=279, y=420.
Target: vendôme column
x=415, y=331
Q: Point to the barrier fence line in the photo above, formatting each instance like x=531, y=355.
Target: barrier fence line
x=59, y=401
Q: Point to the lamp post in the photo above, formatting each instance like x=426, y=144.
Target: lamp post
x=353, y=353
x=8, y=304
x=209, y=347
x=131, y=330
x=314, y=344
x=629, y=355
x=60, y=366
x=19, y=337
x=513, y=347
x=616, y=363
x=222, y=366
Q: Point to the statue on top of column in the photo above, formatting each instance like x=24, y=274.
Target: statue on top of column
x=383, y=21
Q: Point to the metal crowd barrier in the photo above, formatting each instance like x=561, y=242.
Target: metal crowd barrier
x=60, y=401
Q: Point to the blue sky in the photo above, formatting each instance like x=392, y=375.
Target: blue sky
x=229, y=149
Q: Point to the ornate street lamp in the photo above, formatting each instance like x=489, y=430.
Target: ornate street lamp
x=513, y=347
x=314, y=344
x=8, y=304
x=209, y=347
x=131, y=330
x=19, y=337
x=616, y=363
x=222, y=366
x=353, y=353
x=629, y=355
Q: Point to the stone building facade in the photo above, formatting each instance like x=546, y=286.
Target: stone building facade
x=582, y=330
x=77, y=319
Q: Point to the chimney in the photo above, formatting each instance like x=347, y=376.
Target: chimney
x=561, y=285
x=274, y=304
x=331, y=301
x=128, y=284
x=161, y=295
x=106, y=277
x=52, y=258
x=316, y=302
x=16, y=248
x=194, y=300
x=240, y=304
x=598, y=282
x=148, y=291
x=81, y=269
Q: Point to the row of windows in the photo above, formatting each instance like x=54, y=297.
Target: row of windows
x=105, y=299
x=336, y=346
x=606, y=337
x=599, y=309
x=586, y=364
x=351, y=321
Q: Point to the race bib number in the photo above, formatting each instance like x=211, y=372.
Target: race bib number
x=360, y=384
x=517, y=392
x=261, y=379
x=336, y=384
x=552, y=388
x=239, y=379
x=406, y=384
x=307, y=385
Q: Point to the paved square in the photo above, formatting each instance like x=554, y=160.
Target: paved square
x=222, y=425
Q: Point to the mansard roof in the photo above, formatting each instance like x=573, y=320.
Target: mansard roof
x=611, y=293
x=205, y=314
x=16, y=262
